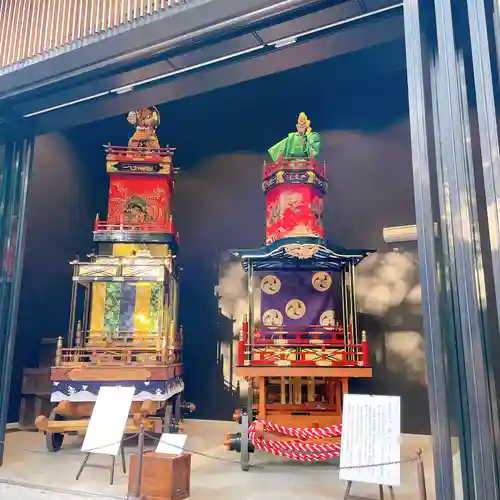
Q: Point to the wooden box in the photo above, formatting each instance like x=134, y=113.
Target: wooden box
x=164, y=477
x=36, y=381
x=31, y=407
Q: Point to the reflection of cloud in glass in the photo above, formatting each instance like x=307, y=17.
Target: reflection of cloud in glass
x=228, y=364
x=493, y=209
x=385, y=282
x=406, y=355
x=232, y=292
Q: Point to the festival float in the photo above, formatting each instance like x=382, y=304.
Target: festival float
x=123, y=321
x=301, y=341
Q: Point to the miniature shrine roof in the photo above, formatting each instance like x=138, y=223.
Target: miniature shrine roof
x=300, y=252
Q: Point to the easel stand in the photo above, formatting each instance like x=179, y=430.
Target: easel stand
x=348, y=495
x=422, y=489
x=111, y=467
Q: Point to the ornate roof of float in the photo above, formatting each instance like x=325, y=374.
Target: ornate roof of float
x=298, y=243
x=301, y=252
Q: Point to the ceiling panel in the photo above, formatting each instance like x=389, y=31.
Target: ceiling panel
x=209, y=52
x=327, y=16
x=379, y=4
x=190, y=24
x=349, y=41
x=215, y=51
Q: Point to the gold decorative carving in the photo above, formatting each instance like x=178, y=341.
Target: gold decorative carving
x=272, y=318
x=301, y=251
x=321, y=281
x=295, y=309
x=270, y=284
x=327, y=318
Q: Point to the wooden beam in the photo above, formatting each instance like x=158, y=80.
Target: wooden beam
x=303, y=371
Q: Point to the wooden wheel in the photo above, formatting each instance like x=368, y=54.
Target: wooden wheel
x=54, y=440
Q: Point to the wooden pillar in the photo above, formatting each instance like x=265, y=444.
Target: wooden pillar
x=58, y=351
x=262, y=398
x=337, y=389
x=311, y=389
x=297, y=390
x=345, y=385
x=283, y=390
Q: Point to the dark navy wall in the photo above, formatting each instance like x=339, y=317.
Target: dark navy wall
x=222, y=139
x=59, y=212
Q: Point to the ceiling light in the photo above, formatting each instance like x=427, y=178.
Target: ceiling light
x=66, y=104
x=283, y=41
x=124, y=90
x=286, y=41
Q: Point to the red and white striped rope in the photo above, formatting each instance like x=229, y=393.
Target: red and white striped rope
x=303, y=432
x=302, y=457
x=296, y=450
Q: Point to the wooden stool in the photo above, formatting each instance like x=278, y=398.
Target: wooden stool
x=164, y=477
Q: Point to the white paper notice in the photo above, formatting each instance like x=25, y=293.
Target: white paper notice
x=172, y=444
x=108, y=420
x=371, y=432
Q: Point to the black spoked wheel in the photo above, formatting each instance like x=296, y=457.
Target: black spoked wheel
x=245, y=451
x=168, y=417
x=54, y=440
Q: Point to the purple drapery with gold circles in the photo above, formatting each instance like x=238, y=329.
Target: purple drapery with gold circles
x=295, y=300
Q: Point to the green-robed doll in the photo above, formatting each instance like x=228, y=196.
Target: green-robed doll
x=301, y=144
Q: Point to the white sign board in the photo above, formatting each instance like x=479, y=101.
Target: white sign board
x=108, y=420
x=371, y=432
x=172, y=444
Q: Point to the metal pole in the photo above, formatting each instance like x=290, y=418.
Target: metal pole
x=354, y=308
x=477, y=443
x=14, y=212
x=342, y=289
x=490, y=148
x=250, y=304
x=354, y=332
x=247, y=418
x=136, y=494
x=490, y=151
x=417, y=54
x=446, y=264
x=86, y=311
x=496, y=28
x=245, y=454
x=422, y=489
x=71, y=327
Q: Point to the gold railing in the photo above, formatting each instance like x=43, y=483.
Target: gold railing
x=95, y=356
x=30, y=28
x=120, y=340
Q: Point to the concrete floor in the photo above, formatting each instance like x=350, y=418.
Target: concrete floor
x=32, y=473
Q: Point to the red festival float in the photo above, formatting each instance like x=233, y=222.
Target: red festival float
x=301, y=341
x=124, y=327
